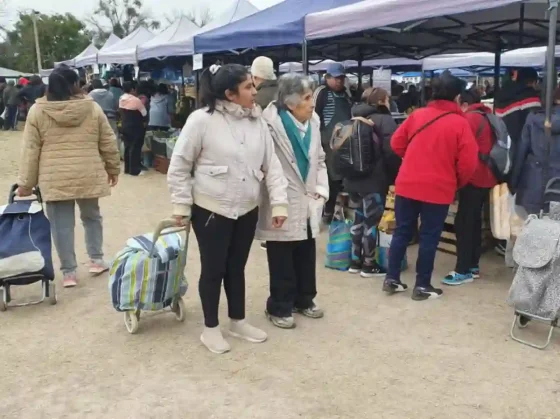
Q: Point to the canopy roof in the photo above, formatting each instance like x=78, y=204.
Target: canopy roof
x=12, y=74
x=183, y=45
x=91, y=59
x=124, y=51
x=282, y=24
x=163, y=44
x=420, y=28
x=91, y=49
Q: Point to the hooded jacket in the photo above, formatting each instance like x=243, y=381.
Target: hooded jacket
x=440, y=159
x=105, y=99
x=513, y=102
x=483, y=177
x=160, y=110
x=11, y=96
x=387, y=163
x=266, y=93
x=69, y=149
x=528, y=177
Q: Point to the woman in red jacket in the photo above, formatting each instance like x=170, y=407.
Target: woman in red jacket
x=468, y=221
x=440, y=155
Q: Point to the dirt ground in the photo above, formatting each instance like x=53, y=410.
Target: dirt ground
x=372, y=356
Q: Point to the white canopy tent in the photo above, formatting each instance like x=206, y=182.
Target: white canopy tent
x=124, y=51
x=91, y=59
x=184, y=45
x=12, y=74
x=90, y=50
x=167, y=40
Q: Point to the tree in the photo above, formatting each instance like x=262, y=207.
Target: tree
x=120, y=17
x=61, y=37
x=200, y=18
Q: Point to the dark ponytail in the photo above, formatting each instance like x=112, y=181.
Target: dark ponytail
x=215, y=80
x=62, y=84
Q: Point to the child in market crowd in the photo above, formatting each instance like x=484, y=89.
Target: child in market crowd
x=225, y=153
x=468, y=220
x=370, y=190
x=440, y=155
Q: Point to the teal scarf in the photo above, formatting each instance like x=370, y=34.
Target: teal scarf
x=299, y=144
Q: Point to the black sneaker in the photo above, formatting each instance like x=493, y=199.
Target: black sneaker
x=522, y=321
x=263, y=245
x=426, y=293
x=392, y=286
x=372, y=271
x=355, y=267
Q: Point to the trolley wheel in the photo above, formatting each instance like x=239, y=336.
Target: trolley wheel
x=52, y=294
x=178, y=307
x=131, y=321
x=3, y=306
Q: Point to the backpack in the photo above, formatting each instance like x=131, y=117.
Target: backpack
x=353, y=148
x=500, y=158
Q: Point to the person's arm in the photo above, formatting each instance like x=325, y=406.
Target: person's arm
x=523, y=150
x=142, y=107
x=320, y=97
x=28, y=176
x=185, y=154
x=399, y=141
x=467, y=155
x=108, y=144
x=274, y=178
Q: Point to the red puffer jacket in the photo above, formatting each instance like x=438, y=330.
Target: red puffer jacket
x=483, y=177
x=440, y=159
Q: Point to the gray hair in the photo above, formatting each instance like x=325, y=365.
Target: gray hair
x=291, y=87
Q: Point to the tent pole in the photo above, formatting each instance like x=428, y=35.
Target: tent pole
x=423, y=87
x=550, y=62
x=521, y=24
x=497, y=67
x=550, y=87
x=304, y=59
x=360, y=69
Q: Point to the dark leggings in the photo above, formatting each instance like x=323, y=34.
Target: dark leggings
x=224, y=246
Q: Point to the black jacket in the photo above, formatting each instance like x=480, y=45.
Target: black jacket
x=32, y=92
x=386, y=162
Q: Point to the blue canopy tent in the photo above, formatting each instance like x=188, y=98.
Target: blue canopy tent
x=282, y=24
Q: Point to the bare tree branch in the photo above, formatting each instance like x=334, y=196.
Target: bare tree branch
x=200, y=17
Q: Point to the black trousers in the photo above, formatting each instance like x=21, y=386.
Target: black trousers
x=292, y=273
x=468, y=227
x=133, y=154
x=335, y=187
x=224, y=246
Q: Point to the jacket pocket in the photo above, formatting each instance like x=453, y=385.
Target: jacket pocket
x=211, y=180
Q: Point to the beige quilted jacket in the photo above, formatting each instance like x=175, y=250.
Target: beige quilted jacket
x=69, y=149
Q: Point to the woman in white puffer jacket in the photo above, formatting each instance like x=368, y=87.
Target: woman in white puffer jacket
x=223, y=156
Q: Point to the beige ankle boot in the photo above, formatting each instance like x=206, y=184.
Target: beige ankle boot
x=212, y=338
x=243, y=330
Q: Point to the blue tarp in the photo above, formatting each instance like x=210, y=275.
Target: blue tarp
x=282, y=24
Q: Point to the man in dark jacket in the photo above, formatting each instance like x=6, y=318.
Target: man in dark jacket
x=370, y=190
x=2, y=87
x=264, y=80
x=333, y=105
x=33, y=91
x=12, y=101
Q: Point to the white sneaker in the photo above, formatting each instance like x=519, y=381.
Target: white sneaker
x=213, y=339
x=281, y=322
x=243, y=330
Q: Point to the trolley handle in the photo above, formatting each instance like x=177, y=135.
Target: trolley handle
x=165, y=227
x=36, y=192
x=550, y=192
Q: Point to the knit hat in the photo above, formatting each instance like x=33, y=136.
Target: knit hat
x=263, y=67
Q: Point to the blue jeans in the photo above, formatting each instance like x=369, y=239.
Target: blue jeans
x=432, y=219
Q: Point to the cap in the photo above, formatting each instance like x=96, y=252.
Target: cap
x=336, y=70
x=263, y=67
x=23, y=81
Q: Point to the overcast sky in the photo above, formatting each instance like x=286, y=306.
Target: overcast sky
x=159, y=8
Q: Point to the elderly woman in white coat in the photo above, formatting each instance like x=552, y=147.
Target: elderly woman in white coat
x=291, y=249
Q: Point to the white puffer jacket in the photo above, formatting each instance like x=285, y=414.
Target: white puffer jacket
x=220, y=161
